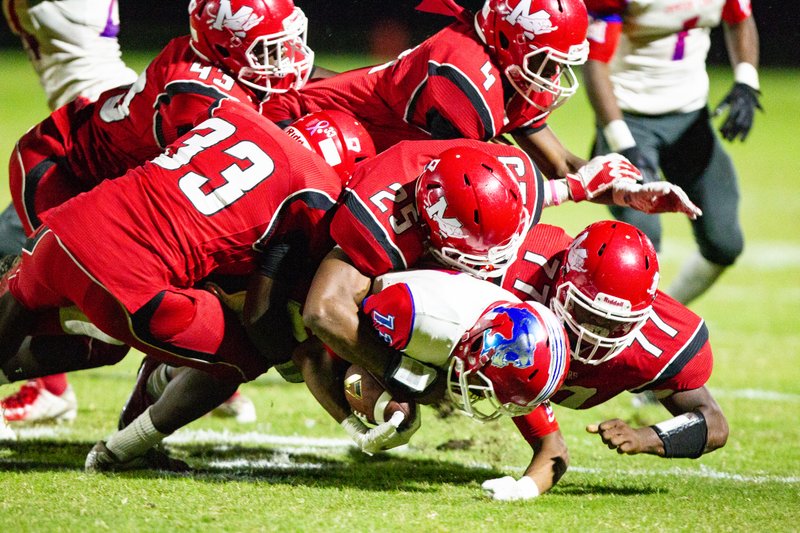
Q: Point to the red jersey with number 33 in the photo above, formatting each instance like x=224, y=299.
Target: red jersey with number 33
x=232, y=183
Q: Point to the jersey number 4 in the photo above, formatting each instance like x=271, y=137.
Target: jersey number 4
x=238, y=179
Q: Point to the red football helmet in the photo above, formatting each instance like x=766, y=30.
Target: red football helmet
x=535, y=43
x=606, y=288
x=261, y=42
x=474, y=210
x=514, y=358
x=338, y=137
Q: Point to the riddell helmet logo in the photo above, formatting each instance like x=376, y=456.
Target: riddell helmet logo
x=607, y=301
x=533, y=24
x=238, y=23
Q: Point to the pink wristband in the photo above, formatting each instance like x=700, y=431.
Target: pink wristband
x=553, y=193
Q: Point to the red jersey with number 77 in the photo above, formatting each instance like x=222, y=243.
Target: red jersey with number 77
x=670, y=353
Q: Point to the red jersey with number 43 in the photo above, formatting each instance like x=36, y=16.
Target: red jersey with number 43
x=234, y=182
x=445, y=88
x=377, y=224
x=671, y=352
x=127, y=126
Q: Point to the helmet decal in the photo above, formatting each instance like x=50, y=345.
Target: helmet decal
x=533, y=24
x=576, y=259
x=514, y=342
x=448, y=227
x=238, y=23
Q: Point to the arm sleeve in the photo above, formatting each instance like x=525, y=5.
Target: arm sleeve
x=537, y=424
x=391, y=314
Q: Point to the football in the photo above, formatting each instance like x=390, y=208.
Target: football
x=370, y=401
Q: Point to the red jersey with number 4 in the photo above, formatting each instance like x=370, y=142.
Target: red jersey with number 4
x=445, y=88
x=127, y=126
x=671, y=352
x=232, y=183
x=377, y=224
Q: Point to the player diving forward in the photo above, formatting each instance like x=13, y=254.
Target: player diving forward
x=626, y=335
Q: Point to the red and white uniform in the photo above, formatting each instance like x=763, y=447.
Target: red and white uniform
x=671, y=352
x=445, y=88
x=79, y=145
x=129, y=251
x=657, y=49
x=425, y=313
x=377, y=224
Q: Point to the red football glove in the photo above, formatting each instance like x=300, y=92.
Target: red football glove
x=598, y=175
x=656, y=197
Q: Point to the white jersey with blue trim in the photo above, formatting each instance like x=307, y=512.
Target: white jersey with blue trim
x=445, y=306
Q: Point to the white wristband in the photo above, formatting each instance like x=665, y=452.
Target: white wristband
x=747, y=74
x=618, y=136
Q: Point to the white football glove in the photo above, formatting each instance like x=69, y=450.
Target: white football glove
x=655, y=197
x=599, y=175
x=372, y=440
x=403, y=435
x=507, y=488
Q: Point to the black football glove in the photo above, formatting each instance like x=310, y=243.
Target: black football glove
x=646, y=167
x=741, y=103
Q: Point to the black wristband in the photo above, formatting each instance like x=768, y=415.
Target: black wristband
x=684, y=436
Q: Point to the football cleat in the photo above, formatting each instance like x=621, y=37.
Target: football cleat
x=101, y=459
x=33, y=403
x=6, y=433
x=238, y=406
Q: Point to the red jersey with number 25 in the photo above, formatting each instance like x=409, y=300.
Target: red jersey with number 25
x=377, y=224
x=670, y=353
x=232, y=183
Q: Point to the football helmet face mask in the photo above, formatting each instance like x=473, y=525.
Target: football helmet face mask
x=336, y=136
x=261, y=42
x=514, y=358
x=536, y=43
x=473, y=208
x=606, y=288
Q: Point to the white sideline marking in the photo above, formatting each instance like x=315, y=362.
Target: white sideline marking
x=756, y=394
x=293, y=445
x=196, y=436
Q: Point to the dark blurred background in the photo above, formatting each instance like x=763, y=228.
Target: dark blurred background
x=381, y=28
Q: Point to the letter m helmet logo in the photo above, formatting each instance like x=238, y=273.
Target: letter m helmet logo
x=240, y=22
x=533, y=24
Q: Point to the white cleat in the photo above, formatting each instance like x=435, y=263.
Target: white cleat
x=33, y=403
x=6, y=433
x=239, y=407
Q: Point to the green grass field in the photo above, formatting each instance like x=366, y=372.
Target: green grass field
x=294, y=470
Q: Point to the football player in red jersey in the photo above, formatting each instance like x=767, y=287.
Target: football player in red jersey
x=82, y=143
x=233, y=184
x=626, y=336
x=503, y=70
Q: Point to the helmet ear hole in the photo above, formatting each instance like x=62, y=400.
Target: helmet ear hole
x=504, y=42
x=222, y=51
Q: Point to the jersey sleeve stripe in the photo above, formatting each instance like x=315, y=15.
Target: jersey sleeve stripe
x=680, y=360
x=465, y=85
x=354, y=204
x=32, y=179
